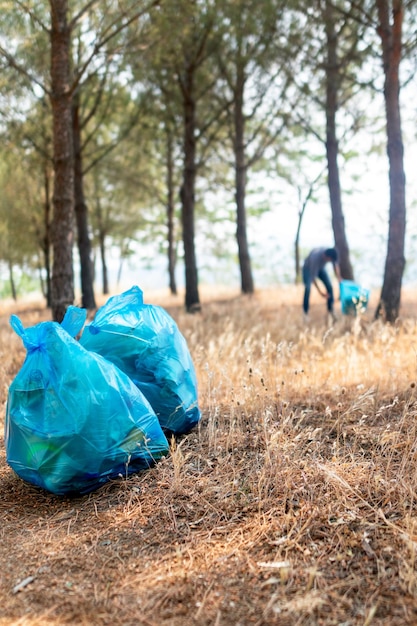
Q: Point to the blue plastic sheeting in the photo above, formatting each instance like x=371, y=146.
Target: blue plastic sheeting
x=144, y=342
x=353, y=297
x=73, y=419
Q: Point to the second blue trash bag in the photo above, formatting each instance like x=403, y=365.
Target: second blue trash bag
x=353, y=297
x=144, y=342
x=73, y=419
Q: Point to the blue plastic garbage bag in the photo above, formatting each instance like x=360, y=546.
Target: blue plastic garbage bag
x=144, y=342
x=73, y=419
x=353, y=297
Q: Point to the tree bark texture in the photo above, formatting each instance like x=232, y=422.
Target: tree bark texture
x=390, y=33
x=46, y=239
x=81, y=215
x=101, y=235
x=172, y=257
x=192, y=298
x=12, y=282
x=104, y=272
x=247, y=285
x=298, y=277
x=62, y=287
x=332, y=147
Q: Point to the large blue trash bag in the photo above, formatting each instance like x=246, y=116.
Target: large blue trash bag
x=73, y=419
x=144, y=341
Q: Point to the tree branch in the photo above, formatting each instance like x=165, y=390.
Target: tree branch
x=106, y=38
x=29, y=11
x=19, y=68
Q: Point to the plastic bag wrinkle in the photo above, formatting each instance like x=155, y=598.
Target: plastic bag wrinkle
x=145, y=343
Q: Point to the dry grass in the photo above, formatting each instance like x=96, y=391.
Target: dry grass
x=293, y=503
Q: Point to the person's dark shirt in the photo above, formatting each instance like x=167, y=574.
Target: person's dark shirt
x=315, y=262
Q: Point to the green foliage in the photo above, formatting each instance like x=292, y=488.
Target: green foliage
x=130, y=63
x=19, y=204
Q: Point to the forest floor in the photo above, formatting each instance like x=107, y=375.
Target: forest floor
x=293, y=502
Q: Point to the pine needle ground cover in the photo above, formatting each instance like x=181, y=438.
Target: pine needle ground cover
x=294, y=501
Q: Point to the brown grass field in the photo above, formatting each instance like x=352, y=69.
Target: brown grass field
x=294, y=502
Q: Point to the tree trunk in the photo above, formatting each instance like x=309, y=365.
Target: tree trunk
x=62, y=291
x=104, y=272
x=12, y=283
x=247, y=285
x=172, y=256
x=46, y=239
x=192, y=298
x=81, y=214
x=391, y=41
x=297, y=235
x=101, y=235
x=332, y=147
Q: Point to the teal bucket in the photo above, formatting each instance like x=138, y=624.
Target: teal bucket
x=353, y=297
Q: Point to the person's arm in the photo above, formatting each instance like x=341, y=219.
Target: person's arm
x=322, y=293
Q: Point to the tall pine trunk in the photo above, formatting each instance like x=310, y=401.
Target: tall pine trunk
x=104, y=272
x=81, y=214
x=247, y=285
x=332, y=146
x=62, y=284
x=390, y=33
x=46, y=238
x=12, y=281
x=172, y=256
x=192, y=298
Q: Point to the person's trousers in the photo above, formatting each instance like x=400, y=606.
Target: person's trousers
x=324, y=277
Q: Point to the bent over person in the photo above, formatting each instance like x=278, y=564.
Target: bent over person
x=313, y=269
